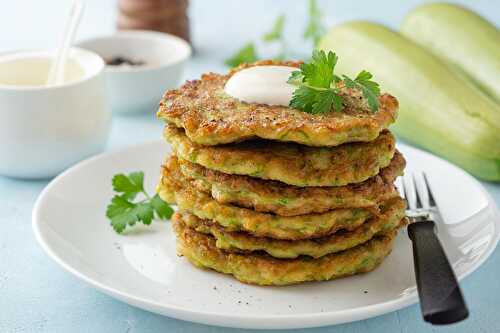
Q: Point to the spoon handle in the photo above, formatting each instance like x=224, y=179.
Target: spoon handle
x=57, y=69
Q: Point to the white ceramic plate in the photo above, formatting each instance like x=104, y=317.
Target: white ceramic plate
x=142, y=269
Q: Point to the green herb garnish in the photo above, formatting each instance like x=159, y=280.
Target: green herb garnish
x=124, y=210
x=318, y=87
x=246, y=54
x=314, y=29
x=276, y=36
x=370, y=89
x=276, y=33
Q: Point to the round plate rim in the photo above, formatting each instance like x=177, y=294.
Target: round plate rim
x=308, y=320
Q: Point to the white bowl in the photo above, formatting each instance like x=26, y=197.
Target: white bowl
x=44, y=130
x=140, y=88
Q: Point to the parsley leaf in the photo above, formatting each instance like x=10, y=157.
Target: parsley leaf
x=120, y=222
x=369, y=88
x=326, y=101
x=144, y=212
x=244, y=55
x=315, y=93
x=119, y=205
x=131, y=184
x=122, y=211
x=276, y=32
x=315, y=101
x=317, y=85
x=295, y=78
x=162, y=209
x=314, y=29
x=319, y=72
x=248, y=53
x=303, y=99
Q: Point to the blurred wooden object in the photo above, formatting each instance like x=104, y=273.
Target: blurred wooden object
x=168, y=16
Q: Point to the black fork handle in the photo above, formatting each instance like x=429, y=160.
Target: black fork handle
x=441, y=299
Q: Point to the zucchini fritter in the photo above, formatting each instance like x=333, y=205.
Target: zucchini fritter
x=174, y=188
x=392, y=215
x=288, y=200
x=201, y=251
x=211, y=117
x=290, y=163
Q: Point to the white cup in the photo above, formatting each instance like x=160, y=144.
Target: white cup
x=44, y=130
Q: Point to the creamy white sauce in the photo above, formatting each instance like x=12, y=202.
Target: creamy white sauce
x=33, y=71
x=262, y=85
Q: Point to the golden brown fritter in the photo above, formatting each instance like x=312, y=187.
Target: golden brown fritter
x=287, y=200
x=290, y=163
x=201, y=251
x=211, y=117
x=174, y=189
x=392, y=215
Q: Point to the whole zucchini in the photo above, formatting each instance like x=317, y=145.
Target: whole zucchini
x=439, y=110
x=460, y=37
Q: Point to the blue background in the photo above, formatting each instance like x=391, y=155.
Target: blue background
x=37, y=296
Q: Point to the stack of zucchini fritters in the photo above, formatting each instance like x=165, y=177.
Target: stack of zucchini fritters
x=274, y=195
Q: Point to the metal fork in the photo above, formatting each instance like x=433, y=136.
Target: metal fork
x=441, y=299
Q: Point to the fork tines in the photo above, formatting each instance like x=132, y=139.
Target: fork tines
x=415, y=189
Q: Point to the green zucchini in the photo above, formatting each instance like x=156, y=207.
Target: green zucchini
x=461, y=37
x=439, y=110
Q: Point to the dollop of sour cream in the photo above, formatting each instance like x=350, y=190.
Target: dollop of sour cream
x=262, y=85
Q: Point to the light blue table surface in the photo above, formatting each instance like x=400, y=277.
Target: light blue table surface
x=38, y=296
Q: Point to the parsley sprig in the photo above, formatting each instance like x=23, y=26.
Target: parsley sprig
x=318, y=87
x=276, y=33
x=314, y=30
x=246, y=54
x=124, y=210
